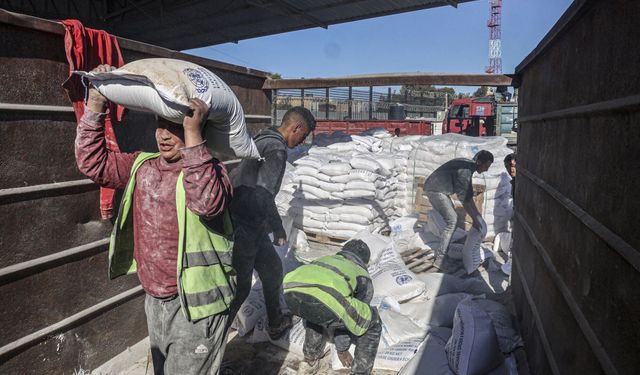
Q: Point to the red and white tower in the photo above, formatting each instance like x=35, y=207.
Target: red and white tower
x=495, y=38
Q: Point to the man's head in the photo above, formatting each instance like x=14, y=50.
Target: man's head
x=359, y=249
x=296, y=125
x=170, y=139
x=483, y=160
x=510, y=164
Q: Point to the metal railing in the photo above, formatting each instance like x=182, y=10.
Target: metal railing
x=350, y=104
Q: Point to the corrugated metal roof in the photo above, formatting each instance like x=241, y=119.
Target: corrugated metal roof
x=181, y=24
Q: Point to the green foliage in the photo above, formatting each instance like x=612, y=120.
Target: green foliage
x=275, y=76
x=417, y=89
x=480, y=92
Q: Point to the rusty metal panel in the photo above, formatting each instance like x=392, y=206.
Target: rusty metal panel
x=40, y=227
x=576, y=243
x=21, y=165
x=85, y=283
x=84, y=347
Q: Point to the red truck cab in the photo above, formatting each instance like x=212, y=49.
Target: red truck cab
x=471, y=116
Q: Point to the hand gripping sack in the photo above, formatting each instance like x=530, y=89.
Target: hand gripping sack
x=165, y=86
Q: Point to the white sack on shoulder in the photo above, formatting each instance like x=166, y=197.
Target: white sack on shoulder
x=165, y=86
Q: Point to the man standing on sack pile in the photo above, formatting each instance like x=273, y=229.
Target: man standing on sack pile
x=332, y=296
x=455, y=177
x=255, y=215
x=159, y=229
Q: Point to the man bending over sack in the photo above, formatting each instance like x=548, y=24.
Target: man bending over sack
x=254, y=211
x=332, y=295
x=159, y=229
x=455, y=177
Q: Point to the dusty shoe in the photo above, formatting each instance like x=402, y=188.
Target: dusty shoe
x=277, y=332
x=316, y=367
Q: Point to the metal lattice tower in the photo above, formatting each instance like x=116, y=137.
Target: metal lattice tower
x=495, y=38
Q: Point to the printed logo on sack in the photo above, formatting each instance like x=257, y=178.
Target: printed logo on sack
x=197, y=78
x=403, y=279
x=201, y=349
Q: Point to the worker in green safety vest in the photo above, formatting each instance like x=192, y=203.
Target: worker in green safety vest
x=332, y=295
x=173, y=230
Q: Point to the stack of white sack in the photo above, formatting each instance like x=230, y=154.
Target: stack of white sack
x=347, y=187
x=165, y=86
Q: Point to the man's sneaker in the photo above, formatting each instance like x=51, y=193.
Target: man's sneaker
x=277, y=332
x=316, y=367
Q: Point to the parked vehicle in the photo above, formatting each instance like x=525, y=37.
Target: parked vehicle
x=481, y=117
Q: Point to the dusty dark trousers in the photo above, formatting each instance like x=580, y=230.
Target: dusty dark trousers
x=179, y=346
x=318, y=319
x=253, y=249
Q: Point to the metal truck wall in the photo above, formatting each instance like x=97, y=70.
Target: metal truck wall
x=576, y=279
x=60, y=312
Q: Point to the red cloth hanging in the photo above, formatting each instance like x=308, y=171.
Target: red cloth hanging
x=86, y=49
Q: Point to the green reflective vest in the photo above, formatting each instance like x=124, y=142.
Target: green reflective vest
x=205, y=277
x=332, y=281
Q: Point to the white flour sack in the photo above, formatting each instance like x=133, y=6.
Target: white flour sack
x=391, y=358
x=431, y=358
x=165, y=86
x=392, y=278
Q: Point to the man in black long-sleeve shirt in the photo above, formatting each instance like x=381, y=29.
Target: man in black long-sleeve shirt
x=255, y=215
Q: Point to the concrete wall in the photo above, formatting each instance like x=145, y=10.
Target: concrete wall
x=45, y=279
x=576, y=258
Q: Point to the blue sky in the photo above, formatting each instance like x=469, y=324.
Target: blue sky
x=443, y=39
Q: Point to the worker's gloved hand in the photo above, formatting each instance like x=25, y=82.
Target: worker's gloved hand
x=279, y=237
x=95, y=100
x=345, y=358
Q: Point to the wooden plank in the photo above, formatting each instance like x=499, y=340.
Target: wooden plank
x=323, y=238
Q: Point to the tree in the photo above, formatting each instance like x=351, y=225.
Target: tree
x=418, y=89
x=481, y=91
x=275, y=76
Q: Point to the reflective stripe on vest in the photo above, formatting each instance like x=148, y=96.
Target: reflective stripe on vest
x=331, y=280
x=204, y=266
x=204, y=272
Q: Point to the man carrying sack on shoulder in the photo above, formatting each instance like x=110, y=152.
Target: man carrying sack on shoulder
x=173, y=229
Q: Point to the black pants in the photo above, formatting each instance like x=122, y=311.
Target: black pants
x=318, y=320
x=253, y=249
